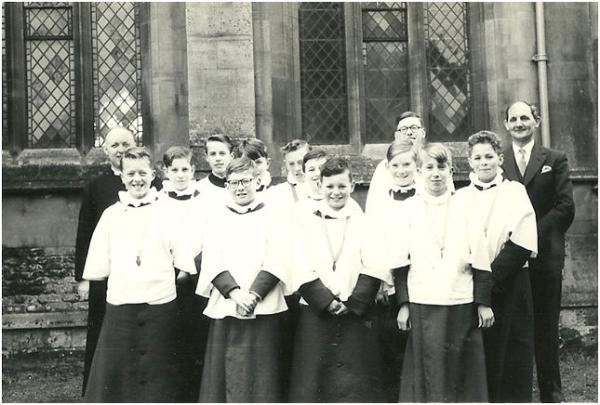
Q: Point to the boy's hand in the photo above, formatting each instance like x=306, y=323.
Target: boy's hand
x=342, y=310
x=244, y=300
x=382, y=297
x=83, y=289
x=404, y=317
x=333, y=307
x=485, y=315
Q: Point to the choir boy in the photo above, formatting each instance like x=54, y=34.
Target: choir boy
x=244, y=280
x=219, y=152
x=337, y=356
x=181, y=193
x=501, y=215
x=100, y=193
x=391, y=212
x=441, y=301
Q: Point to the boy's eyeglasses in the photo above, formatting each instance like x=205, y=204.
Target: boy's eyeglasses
x=236, y=183
x=404, y=130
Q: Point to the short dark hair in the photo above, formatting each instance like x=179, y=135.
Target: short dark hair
x=177, y=152
x=437, y=151
x=334, y=166
x=294, y=145
x=241, y=164
x=221, y=138
x=136, y=153
x=408, y=114
x=403, y=145
x=485, y=137
x=313, y=154
x=253, y=148
x=534, y=111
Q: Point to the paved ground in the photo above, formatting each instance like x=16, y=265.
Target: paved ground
x=57, y=377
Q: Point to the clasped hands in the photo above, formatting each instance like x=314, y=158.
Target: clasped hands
x=337, y=307
x=245, y=301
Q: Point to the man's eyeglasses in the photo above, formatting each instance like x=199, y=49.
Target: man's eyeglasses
x=236, y=183
x=404, y=130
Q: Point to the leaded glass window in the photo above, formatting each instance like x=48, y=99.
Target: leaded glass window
x=50, y=64
x=116, y=68
x=448, y=70
x=385, y=52
x=81, y=68
x=323, y=73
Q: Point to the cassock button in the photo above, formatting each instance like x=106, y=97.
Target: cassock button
x=339, y=364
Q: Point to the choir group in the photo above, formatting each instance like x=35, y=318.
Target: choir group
x=231, y=289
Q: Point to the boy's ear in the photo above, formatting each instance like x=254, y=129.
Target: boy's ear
x=268, y=163
x=352, y=187
x=500, y=159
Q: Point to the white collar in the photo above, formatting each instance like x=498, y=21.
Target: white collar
x=126, y=199
x=437, y=200
x=527, y=147
x=495, y=181
x=292, y=179
x=116, y=172
x=403, y=189
x=244, y=209
x=267, y=182
x=191, y=188
x=351, y=208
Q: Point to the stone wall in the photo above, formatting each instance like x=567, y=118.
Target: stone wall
x=220, y=69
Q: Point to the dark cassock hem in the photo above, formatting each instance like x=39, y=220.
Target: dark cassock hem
x=134, y=359
x=243, y=361
x=337, y=359
x=444, y=359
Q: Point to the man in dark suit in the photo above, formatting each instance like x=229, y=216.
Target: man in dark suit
x=545, y=174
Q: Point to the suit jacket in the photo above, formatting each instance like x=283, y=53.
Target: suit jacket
x=551, y=193
x=100, y=193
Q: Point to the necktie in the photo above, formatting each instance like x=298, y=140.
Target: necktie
x=402, y=195
x=521, y=162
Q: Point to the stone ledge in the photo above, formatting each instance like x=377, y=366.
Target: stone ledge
x=47, y=170
x=44, y=320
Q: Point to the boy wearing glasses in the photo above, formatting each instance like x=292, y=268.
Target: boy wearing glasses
x=244, y=281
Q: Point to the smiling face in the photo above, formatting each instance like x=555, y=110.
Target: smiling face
x=242, y=187
x=485, y=161
x=180, y=173
x=402, y=167
x=435, y=175
x=293, y=163
x=312, y=173
x=116, y=142
x=137, y=175
x=336, y=190
x=218, y=156
x=520, y=123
